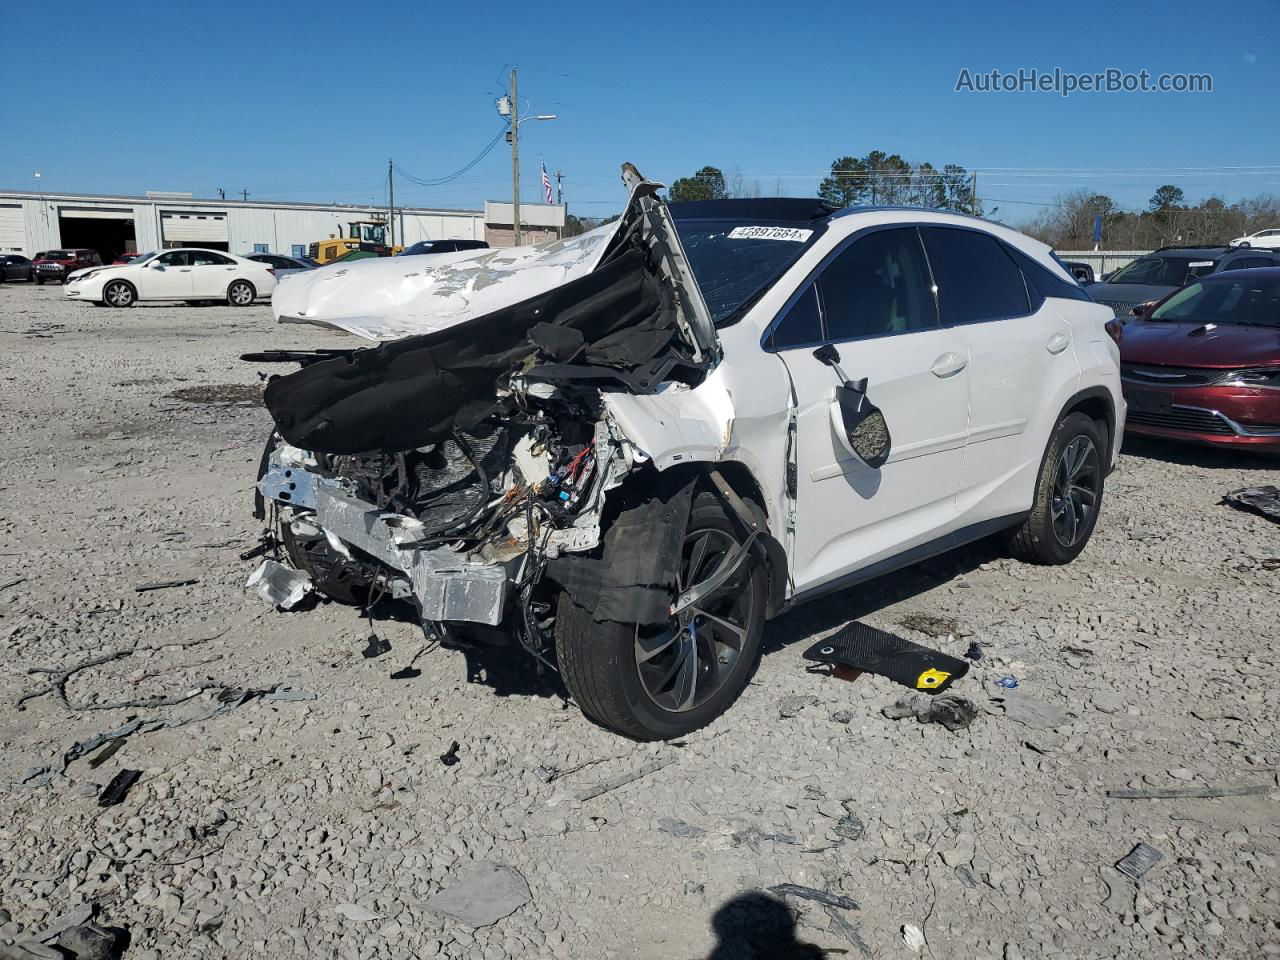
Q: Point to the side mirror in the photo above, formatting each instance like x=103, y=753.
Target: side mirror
x=857, y=421
x=1142, y=309
x=860, y=425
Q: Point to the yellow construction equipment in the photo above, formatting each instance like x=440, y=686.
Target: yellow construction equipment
x=365, y=238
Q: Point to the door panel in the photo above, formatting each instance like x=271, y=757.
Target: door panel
x=211, y=275
x=168, y=277
x=1020, y=360
x=848, y=515
x=874, y=302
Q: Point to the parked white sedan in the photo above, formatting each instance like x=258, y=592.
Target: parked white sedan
x=188, y=274
x=1263, y=238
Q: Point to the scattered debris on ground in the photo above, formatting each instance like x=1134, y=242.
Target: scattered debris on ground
x=1264, y=501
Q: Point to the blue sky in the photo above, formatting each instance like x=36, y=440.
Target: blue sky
x=307, y=101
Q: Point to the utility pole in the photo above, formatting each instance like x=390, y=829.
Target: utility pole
x=222, y=194
x=973, y=190
x=391, y=201
x=515, y=158
x=245, y=195
x=559, y=189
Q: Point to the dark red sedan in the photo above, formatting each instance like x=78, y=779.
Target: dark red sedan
x=1203, y=365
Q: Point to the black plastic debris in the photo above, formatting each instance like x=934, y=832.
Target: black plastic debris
x=545, y=774
x=115, y=791
x=850, y=827
x=818, y=896
x=376, y=647
x=974, y=652
x=106, y=753
x=1138, y=861
x=89, y=941
x=1264, y=501
x=860, y=646
x=450, y=756
x=163, y=585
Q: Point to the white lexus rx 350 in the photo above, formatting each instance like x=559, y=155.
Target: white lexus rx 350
x=625, y=451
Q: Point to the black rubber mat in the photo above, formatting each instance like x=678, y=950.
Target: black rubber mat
x=865, y=648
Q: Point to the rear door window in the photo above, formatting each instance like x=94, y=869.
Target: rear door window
x=977, y=280
x=878, y=286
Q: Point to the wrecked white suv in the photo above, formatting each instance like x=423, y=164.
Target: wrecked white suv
x=629, y=449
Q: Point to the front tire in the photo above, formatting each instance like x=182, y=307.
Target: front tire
x=241, y=293
x=659, y=683
x=39, y=282
x=1068, y=494
x=118, y=293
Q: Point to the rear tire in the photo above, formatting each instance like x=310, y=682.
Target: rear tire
x=1068, y=495
x=241, y=294
x=614, y=670
x=39, y=282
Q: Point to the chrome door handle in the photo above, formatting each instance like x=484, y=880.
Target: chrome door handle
x=1057, y=343
x=948, y=365
x=185, y=270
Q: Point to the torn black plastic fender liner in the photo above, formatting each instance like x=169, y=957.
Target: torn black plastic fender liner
x=419, y=390
x=631, y=576
x=863, y=647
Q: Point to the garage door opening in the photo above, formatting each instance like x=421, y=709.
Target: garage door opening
x=192, y=229
x=109, y=236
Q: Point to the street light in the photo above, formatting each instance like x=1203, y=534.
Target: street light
x=511, y=106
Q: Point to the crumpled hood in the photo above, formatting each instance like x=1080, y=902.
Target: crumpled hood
x=396, y=297
x=1193, y=345
x=387, y=298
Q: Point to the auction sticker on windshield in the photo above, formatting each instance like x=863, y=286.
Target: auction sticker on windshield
x=770, y=233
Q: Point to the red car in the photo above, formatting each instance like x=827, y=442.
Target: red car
x=54, y=266
x=1203, y=364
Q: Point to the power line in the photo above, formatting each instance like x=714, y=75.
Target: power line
x=441, y=181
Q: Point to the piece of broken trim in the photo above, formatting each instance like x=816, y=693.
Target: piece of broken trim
x=279, y=585
x=163, y=585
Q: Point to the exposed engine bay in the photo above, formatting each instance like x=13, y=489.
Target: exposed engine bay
x=468, y=470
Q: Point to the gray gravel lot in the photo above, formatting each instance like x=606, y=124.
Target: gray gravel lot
x=324, y=827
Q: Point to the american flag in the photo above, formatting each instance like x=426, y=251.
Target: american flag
x=546, y=183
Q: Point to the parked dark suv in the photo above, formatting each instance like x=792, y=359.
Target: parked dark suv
x=1154, y=276
x=57, y=265
x=442, y=246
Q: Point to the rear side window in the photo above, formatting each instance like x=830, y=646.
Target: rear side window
x=204, y=258
x=1043, y=282
x=802, y=326
x=977, y=280
x=878, y=286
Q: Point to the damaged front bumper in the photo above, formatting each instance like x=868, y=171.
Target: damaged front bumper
x=446, y=582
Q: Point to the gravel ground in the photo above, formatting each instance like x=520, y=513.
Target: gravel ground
x=323, y=827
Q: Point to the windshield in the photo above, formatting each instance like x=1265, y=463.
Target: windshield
x=735, y=262
x=142, y=258
x=59, y=255
x=1245, y=301
x=422, y=246
x=1162, y=271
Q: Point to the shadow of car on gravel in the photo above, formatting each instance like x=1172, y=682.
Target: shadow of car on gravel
x=862, y=600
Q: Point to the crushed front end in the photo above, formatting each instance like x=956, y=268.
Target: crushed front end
x=455, y=468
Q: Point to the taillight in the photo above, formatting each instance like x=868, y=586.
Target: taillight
x=1115, y=330
x=271, y=270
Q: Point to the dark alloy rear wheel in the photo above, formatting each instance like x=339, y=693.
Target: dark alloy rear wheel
x=664, y=681
x=1068, y=494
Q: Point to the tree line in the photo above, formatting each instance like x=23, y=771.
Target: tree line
x=1168, y=220
x=878, y=178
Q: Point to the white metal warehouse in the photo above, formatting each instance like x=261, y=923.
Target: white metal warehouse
x=34, y=222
